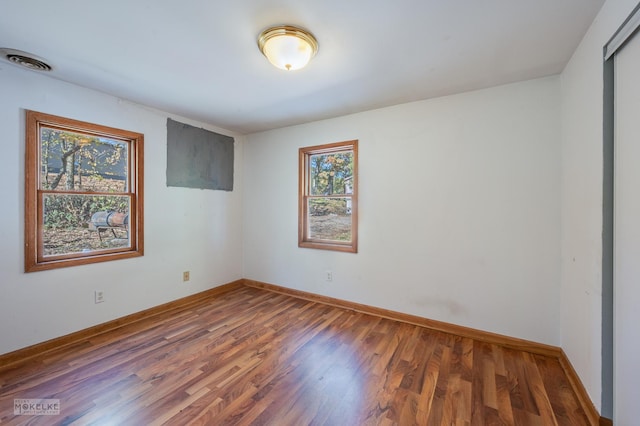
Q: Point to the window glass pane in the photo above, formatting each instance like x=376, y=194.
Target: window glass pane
x=72, y=161
x=84, y=223
x=330, y=219
x=331, y=173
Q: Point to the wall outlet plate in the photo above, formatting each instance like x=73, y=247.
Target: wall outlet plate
x=328, y=275
x=98, y=296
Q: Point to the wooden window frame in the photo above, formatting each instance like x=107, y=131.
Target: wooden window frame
x=304, y=195
x=34, y=257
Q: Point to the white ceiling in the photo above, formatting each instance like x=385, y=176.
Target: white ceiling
x=199, y=58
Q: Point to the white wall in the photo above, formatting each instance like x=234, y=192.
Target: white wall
x=185, y=229
x=582, y=165
x=459, y=210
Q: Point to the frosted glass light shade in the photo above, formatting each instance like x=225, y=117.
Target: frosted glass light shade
x=288, y=48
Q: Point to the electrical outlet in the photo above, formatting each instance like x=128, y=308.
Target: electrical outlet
x=328, y=275
x=185, y=276
x=98, y=296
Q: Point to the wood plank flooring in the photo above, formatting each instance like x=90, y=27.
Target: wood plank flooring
x=254, y=357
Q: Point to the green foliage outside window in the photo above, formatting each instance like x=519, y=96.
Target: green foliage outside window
x=74, y=162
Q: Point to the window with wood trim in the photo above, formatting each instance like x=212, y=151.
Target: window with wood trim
x=328, y=197
x=83, y=193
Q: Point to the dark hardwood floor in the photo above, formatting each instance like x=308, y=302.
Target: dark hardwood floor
x=252, y=356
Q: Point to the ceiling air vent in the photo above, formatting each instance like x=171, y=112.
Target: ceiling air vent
x=25, y=59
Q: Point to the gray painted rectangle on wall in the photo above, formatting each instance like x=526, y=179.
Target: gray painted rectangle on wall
x=198, y=158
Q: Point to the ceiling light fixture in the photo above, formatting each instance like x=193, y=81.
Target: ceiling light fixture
x=288, y=47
